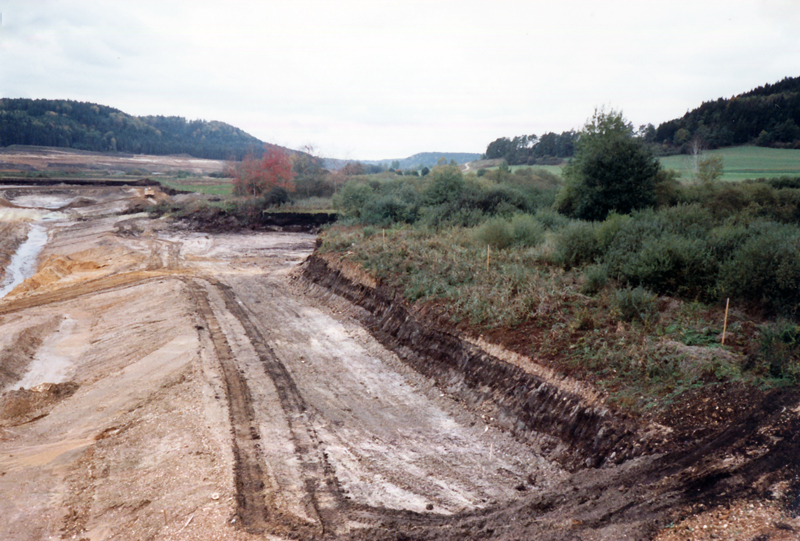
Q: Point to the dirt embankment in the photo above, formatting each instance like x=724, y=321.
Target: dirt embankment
x=217, y=220
x=755, y=457
x=576, y=430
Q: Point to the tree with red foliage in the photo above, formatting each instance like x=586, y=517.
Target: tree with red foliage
x=254, y=176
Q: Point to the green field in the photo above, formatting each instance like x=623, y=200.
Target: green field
x=740, y=163
x=224, y=188
x=554, y=169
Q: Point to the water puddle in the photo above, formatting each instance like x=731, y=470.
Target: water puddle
x=42, y=201
x=23, y=264
x=33, y=208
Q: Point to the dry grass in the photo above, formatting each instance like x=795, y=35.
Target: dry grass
x=536, y=309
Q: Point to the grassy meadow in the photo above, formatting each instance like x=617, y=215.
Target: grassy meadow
x=744, y=162
x=740, y=163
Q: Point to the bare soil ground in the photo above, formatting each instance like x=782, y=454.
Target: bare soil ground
x=163, y=383
x=17, y=159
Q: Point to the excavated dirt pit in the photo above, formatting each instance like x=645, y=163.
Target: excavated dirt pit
x=160, y=383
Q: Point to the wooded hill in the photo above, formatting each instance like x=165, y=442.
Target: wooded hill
x=90, y=126
x=767, y=116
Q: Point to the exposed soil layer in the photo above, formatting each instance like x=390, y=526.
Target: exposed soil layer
x=754, y=453
x=23, y=181
x=199, y=385
x=17, y=158
x=216, y=220
x=581, y=433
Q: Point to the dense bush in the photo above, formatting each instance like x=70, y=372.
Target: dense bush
x=352, y=198
x=672, y=264
x=576, y=244
x=765, y=267
x=445, y=184
x=527, y=230
x=719, y=240
x=386, y=210
x=636, y=303
x=595, y=278
x=495, y=232
x=520, y=230
x=612, y=171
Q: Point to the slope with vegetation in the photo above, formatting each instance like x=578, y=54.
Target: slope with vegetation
x=89, y=126
x=630, y=298
x=768, y=116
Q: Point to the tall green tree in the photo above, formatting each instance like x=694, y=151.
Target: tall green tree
x=612, y=170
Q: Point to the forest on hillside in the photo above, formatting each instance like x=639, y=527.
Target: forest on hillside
x=767, y=116
x=89, y=126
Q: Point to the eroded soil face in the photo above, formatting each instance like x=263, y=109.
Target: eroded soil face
x=159, y=383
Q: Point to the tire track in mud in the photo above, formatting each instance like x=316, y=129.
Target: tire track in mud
x=256, y=505
x=249, y=468
x=335, y=512
x=325, y=500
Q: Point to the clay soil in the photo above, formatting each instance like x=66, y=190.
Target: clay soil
x=174, y=384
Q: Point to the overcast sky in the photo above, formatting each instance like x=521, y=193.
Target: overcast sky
x=381, y=79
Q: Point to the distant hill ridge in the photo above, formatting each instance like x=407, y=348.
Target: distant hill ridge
x=767, y=116
x=427, y=159
x=94, y=127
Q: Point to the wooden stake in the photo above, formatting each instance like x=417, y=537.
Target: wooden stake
x=165, y=516
x=487, y=259
x=725, y=324
x=384, y=240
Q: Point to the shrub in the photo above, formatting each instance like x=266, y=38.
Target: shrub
x=672, y=264
x=766, y=268
x=608, y=229
x=495, y=232
x=352, y=198
x=276, y=197
x=595, y=278
x=576, y=244
x=449, y=215
x=778, y=346
x=446, y=183
x=551, y=219
x=387, y=210
x=725, y=239
x=526, y=230
x=636, y=304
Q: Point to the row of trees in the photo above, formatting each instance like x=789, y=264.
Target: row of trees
x=533, y=150
x=89, y=126
x=277, y=173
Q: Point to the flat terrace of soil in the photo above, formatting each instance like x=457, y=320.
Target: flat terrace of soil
x=20, y=158
x=160, y=383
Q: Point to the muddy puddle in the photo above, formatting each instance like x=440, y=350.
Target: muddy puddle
x=23, y=263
